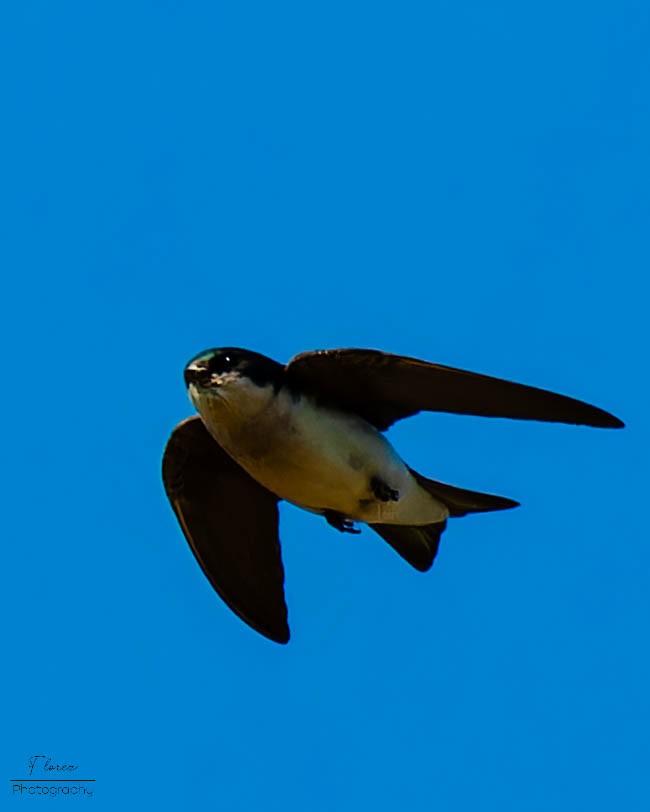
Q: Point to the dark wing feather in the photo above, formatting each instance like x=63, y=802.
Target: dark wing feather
x=231, y=524
x=383, y=388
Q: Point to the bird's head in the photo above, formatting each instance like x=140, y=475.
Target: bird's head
x=231, y=379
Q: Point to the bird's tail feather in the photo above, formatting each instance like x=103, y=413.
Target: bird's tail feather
x=419, y=544
x=416, y=544
x=459, y=501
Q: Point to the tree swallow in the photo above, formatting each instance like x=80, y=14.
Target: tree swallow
x=311, y=432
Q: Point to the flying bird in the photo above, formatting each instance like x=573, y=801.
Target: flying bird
x=311, y=432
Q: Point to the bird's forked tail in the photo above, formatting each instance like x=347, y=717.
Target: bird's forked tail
x=419, y=544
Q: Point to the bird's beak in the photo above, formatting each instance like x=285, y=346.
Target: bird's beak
x=197, y=373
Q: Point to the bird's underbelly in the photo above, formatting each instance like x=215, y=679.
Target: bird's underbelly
x=325, y=461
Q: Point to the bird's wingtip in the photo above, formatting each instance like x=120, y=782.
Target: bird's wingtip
x=609, y=421
x=277, y=635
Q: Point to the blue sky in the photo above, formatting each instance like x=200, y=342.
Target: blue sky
x=463, y=182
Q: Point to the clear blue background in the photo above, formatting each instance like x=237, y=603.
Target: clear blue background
x=465, y=182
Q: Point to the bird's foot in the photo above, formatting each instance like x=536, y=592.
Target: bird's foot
x=383, y=491
x=338, y=520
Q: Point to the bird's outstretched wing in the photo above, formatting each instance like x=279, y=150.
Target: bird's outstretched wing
x=231, y=524
x=383, y=388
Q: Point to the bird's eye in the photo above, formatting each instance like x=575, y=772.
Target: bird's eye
x=225, y=364
x=219, y=364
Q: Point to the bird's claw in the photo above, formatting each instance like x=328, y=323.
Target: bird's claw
x=339, y=521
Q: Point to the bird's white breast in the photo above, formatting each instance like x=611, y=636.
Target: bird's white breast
x=317, y=458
